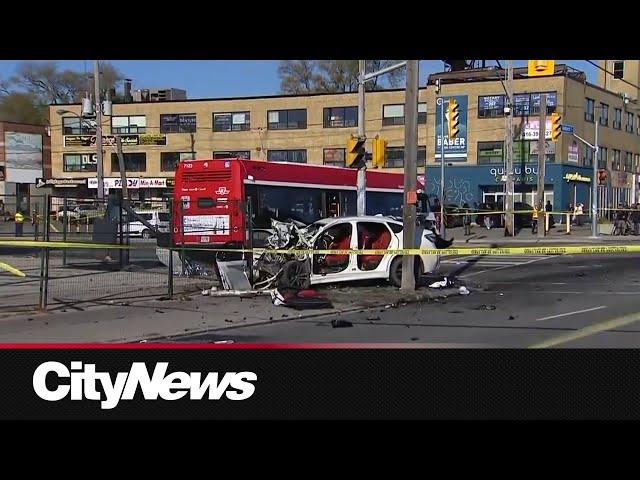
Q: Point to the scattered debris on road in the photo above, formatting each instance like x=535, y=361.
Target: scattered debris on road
x=486, y=307
x=463, y=290
x=341, y=324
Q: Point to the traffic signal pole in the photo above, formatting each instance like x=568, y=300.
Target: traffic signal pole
x=542, y=134
x=363, y=78
x=508, y=145
x=594, y=181
x=362, y=168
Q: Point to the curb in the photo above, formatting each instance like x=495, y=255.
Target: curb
x=405, y=300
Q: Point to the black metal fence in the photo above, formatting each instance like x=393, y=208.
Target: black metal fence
x=137, y=263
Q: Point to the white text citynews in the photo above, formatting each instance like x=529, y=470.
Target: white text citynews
x=83, y=382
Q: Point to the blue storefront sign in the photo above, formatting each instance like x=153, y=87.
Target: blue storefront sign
x=467, y=184
x=455, y=150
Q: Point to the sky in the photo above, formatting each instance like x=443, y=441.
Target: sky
x=228, y=78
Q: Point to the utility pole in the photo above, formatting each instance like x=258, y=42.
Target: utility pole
x=442, y=192
x=408, y=283
x=362, y=170
x=508, y=145
x=542, y=134
x=594, y=185
x=98, y=107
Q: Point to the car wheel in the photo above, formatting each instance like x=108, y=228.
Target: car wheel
x=395, y=272
x=146, y=234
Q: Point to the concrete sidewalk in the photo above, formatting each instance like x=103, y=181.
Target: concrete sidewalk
x=124, y=321
x=557, y=235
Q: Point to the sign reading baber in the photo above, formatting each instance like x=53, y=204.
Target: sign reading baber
x=110, y=140
x=454, y=149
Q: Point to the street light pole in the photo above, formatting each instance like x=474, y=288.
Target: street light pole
x=440, y=101
x=98, y=107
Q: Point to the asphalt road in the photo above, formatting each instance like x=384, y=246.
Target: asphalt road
x=529, y=301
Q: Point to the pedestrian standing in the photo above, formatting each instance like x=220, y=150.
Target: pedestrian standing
x=635, y=218
x=549, y=209
x=19, y=220
x=466, y=219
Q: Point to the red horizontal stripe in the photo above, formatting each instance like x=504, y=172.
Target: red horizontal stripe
x=199, y=346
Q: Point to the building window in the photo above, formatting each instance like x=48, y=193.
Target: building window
x=638, y=130
x=395, y=156
x=336, y=117
x=588, y=157
x=291, y=156
x=79, y=162
x=169, y=160
x=589, y=106
x=246, y=154
x=490, y=152
x=71, y=126
x=287, y=119
x=637, y=164
x=129, y=124
x=629, y=126
x=491, y=106
x=618, y=69
x=604, y=114
x=333, y=157
x=616, y=160
x=628, y=162
x=133, y=162
x=603, y=154
x=231, y=122
x=394, y=114
x=178, y=123
x=422, y=113
x=617, y=121
x=535, y=103
x=521, y=151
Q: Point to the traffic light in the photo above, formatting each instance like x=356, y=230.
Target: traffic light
x=454, y=118
x=556, y=126
x=540, y=68
x=356, y=152
x=379, y=152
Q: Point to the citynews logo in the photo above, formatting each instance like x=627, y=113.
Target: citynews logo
x=84, y=379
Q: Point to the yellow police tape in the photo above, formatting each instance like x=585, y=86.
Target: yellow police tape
x=10, y=269
x=535, y=250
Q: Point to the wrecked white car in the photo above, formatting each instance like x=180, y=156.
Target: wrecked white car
x=362, y=233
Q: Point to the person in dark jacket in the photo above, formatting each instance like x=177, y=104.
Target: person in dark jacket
x=549, y=208
x=466, y=219
x=635, y=218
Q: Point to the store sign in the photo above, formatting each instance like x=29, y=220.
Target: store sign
x=576, y=177
x=531, y=129
x=60, y=182
x=574, y=152
x=527, y=174
x=153, y=183
x=549, y=148
x=494, y=152
x=110, y=140
x=132, y=182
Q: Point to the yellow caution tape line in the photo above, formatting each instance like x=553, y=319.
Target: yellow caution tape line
x=536, y=250
x=10, y=269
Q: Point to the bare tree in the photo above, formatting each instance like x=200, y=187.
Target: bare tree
x=331, y=76
x=22, y=107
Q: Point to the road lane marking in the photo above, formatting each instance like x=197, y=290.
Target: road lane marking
x=571, y=313
x=590, y=330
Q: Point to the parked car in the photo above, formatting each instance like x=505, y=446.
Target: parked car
x=87, y=211
x=71, y=212
x=158, y=219
x=370, y=233
x=452, y=217
x=496, y=218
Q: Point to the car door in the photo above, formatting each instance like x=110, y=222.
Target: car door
x=326, y=268
x=373, y=235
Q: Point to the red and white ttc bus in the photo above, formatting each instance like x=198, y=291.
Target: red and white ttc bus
x=212, y=198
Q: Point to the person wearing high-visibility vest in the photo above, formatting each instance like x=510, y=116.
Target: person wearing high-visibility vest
x=534, y=220
x=19, y=219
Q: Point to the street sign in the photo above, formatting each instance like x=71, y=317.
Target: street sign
x=567, y=128
x=60, y=182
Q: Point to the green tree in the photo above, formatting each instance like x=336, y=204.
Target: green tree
x=332, y=76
